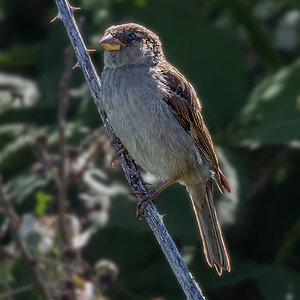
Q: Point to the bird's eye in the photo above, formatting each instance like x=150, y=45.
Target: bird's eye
x=131, y=37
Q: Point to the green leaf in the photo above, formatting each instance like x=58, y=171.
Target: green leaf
x=272, y=114
x=279, y=283
x=144, y=270
x=21, y=56
x=17, y=153
x=42, y=203
x=21, y=277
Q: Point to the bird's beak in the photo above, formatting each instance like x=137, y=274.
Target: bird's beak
x=108, y=42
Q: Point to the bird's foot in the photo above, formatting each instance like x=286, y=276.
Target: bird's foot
x=147, y=197
x=150, y=196
x=116, y=141
x=119, y=151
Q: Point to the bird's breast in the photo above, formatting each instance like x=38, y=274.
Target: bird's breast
x=133, y=101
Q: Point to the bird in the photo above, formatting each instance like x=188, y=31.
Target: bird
x=156, y=114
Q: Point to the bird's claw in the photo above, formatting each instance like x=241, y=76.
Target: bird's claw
x=115, y=141
x=119, y=151
x=147, y=198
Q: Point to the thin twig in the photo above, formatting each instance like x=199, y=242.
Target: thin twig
x=288, y=245
x=34, y=270
x=60, y=264
x=62, y=111
x=62, y=176
x=4, y=227
x=15, y=292
x=91, y=137
x=184, y=277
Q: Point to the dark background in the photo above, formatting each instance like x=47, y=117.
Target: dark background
x=243, y=59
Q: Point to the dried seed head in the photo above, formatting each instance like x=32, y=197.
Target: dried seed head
x=73, y=152
x=107, y=273
x=42, y=140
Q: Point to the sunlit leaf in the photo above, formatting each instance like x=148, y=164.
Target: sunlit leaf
x=21, y=56
x=272, y=114
x=16, y=92
x=43, y=201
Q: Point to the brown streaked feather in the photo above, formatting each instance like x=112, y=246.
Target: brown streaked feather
x=187, y=110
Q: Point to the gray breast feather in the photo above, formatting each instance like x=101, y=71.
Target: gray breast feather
x=133, y=101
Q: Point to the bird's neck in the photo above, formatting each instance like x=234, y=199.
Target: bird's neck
x=115, y=61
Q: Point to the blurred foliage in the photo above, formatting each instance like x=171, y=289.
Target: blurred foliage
x=266, y=113
x=243, y=59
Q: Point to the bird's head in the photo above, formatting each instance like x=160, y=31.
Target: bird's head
x=130, y=44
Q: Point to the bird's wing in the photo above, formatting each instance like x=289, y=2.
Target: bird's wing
x=187, y=110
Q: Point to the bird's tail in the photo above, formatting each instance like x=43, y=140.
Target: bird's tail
x=213, y=243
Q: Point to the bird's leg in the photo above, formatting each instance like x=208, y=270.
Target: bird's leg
x=119, y=151
x=151, y=195
x=117, y=155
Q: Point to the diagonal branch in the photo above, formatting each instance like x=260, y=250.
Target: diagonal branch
x=184, y=277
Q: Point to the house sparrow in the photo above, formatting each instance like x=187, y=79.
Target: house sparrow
x=156, y=114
